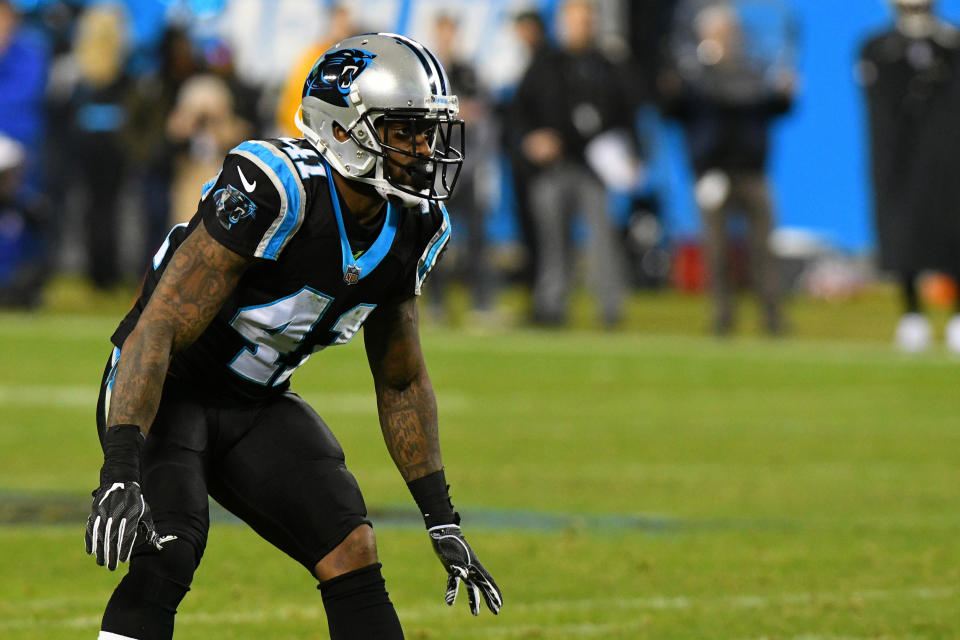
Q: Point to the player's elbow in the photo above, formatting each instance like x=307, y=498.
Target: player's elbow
x=396, y=384
x=400, y=379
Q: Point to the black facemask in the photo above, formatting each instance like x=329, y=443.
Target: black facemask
x=433, y=175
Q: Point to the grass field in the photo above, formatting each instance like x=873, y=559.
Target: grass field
x=647, y=483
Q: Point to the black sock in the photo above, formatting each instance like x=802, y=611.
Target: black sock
x=956, y=283
x=359, y=608
x=911, y=301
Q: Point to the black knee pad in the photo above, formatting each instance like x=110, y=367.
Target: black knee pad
x=176, y=562
x=145, y=602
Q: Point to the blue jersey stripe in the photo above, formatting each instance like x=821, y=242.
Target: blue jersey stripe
x=111, y=379
x=437, y=243
x=291, y=185
x=372, y=257
x=208, y=185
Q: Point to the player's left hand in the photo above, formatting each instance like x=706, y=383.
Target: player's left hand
x=462, y=566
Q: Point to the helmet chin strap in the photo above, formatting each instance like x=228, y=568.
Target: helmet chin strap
x=390, y=193
x=400, y=198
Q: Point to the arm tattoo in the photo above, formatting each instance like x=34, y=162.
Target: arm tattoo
x=405, y=398
x=197, y=281
x=408, y=419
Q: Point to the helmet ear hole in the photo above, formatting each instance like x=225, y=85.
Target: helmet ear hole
x=340, y=133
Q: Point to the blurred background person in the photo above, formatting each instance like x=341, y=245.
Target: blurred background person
x=911, y=76
x=59, y=177
x=24, y=62
x=493, y=43
x=726, y=95
x=252, y=103
x=23, y=231
x=467, y=258
x=339, y=26
x=24, y=225
x=99, y=108
x=151, y=148
x=204, y=126
x=650, y=24
x=532, y=33
x=567, y=99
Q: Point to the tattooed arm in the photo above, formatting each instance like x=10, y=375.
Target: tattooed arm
x=197, y=281
x=405, y=398
x=408, y=419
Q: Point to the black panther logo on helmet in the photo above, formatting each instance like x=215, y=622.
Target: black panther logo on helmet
x=331, y=76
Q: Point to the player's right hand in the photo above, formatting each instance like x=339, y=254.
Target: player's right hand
x=119, y=512
x=117, y=515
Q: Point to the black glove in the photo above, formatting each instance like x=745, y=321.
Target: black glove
x=119, y=511
x=462, y=565
x=443, y=524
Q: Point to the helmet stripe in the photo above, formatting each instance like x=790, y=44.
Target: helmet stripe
x=435, y=77
x=440, y=72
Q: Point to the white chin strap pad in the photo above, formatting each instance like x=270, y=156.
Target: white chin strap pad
x=405, y=199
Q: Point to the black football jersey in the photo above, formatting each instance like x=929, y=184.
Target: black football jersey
x=318, y=273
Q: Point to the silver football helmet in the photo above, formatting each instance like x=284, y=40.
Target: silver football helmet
x=392, y=98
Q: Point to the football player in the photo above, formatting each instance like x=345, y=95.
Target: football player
x=295, y=245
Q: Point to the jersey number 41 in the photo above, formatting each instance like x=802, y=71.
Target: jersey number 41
x=276, y=330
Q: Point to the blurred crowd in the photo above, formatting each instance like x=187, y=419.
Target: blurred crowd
x=105, y=139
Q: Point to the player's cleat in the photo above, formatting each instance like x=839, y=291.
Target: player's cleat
x=913, y=333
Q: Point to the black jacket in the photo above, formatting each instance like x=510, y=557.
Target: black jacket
x=580, y=94
x=725, y=134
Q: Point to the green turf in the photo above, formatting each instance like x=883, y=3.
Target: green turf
x=751, y=488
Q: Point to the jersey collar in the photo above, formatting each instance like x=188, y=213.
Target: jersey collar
x=355, y=269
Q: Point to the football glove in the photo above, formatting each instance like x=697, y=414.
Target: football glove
x=117, y=515
x=119, y=511
x=462, y=566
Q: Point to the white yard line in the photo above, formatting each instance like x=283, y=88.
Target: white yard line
x=666, y=603
x=577, y=629
x=827, y=636
x=47, y=395
x=71, y=396
x=46, y=604
x=833, y=352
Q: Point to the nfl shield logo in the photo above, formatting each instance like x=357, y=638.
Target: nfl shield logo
x=352, y=276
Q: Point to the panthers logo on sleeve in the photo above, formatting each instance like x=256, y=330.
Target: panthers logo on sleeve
x=332, y=76
x=233, y=206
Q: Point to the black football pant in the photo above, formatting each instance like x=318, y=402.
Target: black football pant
x=748, y=193
x=274, y=464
